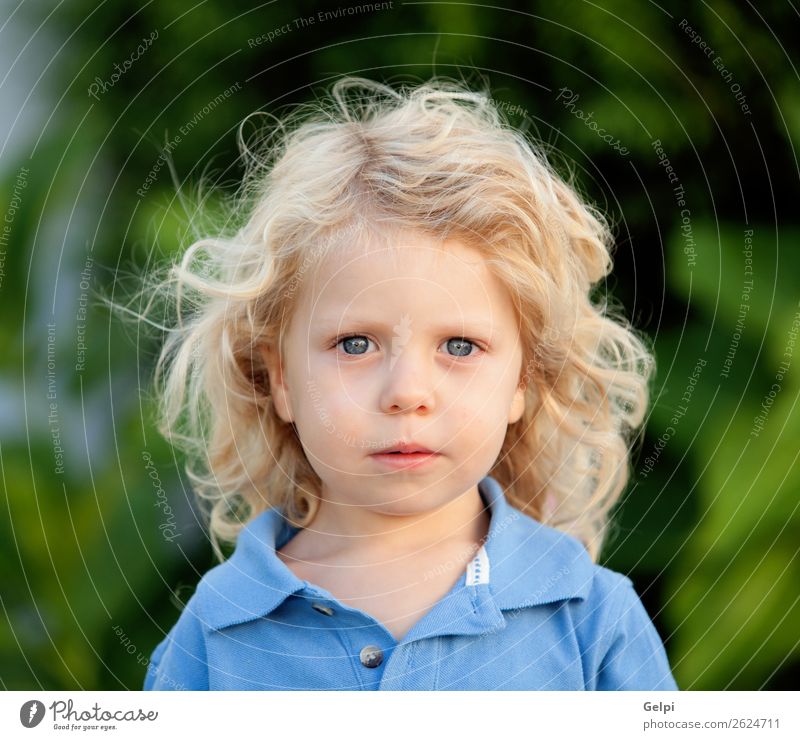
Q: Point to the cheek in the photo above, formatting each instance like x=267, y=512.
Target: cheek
x=482, y=392
x=345, y=387
x=331, y=413
x=479, y=415
x=471, y=415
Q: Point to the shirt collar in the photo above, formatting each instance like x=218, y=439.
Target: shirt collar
x=529, y=562
x=522, y=563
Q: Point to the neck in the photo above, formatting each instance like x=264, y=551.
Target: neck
x=357, y=532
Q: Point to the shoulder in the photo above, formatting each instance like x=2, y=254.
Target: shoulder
x=178, y=662
x=608, y=594
x=620, y=646
x=610, y=588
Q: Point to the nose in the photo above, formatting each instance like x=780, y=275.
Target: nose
x=409, y=383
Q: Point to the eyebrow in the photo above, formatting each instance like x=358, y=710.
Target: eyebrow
x=455, y=327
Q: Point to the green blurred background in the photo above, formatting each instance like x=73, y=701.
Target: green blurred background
x=101, y=541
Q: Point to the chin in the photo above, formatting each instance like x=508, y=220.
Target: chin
x=419, y=503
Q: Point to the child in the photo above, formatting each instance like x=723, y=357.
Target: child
x=413, y=418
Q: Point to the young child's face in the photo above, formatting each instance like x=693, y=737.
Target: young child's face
x=405, y=375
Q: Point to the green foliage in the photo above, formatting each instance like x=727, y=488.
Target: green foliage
x=735, y=577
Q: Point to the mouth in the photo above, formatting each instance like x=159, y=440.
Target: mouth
x=406, y=456
x=409, y=448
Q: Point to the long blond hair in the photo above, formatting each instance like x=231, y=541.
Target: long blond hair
x=441, y=159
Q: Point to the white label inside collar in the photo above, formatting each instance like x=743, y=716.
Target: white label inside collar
x=478, y=568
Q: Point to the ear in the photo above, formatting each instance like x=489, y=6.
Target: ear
x=517, y=405
x=278, y=388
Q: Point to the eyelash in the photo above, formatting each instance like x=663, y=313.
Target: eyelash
x=475, y=344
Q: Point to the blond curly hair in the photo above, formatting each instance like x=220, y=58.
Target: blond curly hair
x=437, y=158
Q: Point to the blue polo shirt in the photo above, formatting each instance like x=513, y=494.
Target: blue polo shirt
x=531, y=611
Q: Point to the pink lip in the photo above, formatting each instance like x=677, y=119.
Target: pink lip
x=407, y=447
x=405, y=460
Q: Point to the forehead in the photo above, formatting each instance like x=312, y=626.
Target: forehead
x=416, y=266
x=403, y=280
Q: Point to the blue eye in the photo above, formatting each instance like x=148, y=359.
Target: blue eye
x=462, y=346
x=357, y=344
x=357, y=341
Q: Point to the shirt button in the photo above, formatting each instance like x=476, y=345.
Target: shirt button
x=371, y=656
x=322, y=609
